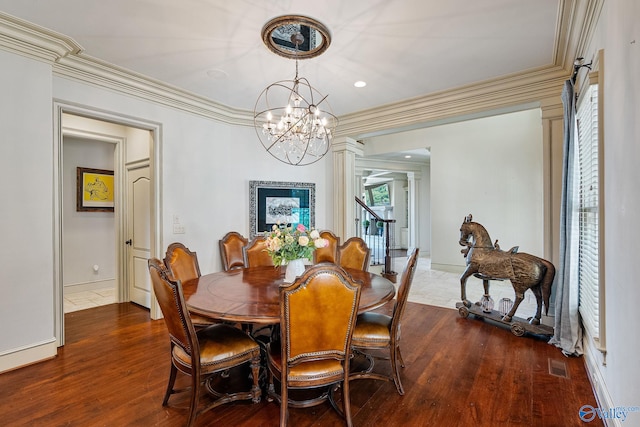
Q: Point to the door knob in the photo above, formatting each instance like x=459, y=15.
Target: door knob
x=128, y=242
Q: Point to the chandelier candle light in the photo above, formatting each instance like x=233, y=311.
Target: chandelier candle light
x=291, y=246
x=293, y=120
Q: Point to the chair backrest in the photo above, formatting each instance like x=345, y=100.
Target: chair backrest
x=255, y=253
x=231, y=246
x=174, y=309
x=354, y=253
x=403, y=291
x=317, y=315
x=181, y=262
x=330, y=252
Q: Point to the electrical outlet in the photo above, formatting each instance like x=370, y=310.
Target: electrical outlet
x=178, y=229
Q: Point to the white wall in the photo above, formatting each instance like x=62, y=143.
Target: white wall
x=88, y=237
x=26, y=190
x=619, y=36
x=491, y=168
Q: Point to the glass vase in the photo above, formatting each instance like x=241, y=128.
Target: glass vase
x=294, y=269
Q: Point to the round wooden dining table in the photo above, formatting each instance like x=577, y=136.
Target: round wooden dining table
x=251, y=295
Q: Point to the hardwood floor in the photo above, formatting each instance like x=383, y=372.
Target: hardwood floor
x=114, y=367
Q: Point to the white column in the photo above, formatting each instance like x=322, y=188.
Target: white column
x=552, y=146
x=413, y=189
x=345, y=187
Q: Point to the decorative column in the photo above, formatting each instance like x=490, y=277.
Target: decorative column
x=552, y=146
x=345, y=187
x=412, y=210
x=552, y=143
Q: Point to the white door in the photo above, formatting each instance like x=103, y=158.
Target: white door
x=139, y=233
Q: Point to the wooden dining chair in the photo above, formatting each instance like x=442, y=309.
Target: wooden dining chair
x=354, y=253
x=204, y=354
x=183, y=265
x=231, y=254
x=317, y=316
x=330, y=252
x=377, y=331
x=255, y=253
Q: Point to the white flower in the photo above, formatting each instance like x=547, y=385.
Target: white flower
x=303, y=240
x=321, y=243
x=314, y=235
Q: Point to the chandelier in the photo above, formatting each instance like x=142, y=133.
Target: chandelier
x=293, y=120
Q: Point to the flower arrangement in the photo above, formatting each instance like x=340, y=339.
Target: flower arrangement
x=285, y=243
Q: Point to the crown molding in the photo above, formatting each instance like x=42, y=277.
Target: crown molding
x=31, y=40
x=506, y=93
x=93, y=71
x=577, y=22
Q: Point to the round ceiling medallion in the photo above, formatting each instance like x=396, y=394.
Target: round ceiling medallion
x=280, y=35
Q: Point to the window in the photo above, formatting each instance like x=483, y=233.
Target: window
x=378, y=195
x=587, y=196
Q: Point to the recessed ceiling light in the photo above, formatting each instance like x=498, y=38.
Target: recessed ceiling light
x=408, y=156
x=360, y=83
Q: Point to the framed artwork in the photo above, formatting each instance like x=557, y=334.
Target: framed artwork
x=271, y=202
x=94, y=190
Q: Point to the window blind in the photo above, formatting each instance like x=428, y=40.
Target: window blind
x=588, y=211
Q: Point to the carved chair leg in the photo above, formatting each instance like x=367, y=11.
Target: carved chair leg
x=255, y=373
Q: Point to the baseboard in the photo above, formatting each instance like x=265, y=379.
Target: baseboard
x=594, y=359
x=90, y=286
x=447, y=267
x=18, y=358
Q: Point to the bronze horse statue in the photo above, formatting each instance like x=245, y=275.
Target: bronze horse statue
x=487, y=261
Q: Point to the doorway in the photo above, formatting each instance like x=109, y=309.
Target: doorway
x=134, y=148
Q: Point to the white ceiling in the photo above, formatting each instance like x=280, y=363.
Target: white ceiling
x=401, y=48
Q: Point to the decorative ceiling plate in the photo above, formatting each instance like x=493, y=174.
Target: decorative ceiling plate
x=279, y=35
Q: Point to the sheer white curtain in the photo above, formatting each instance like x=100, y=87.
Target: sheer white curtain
x=567, y=328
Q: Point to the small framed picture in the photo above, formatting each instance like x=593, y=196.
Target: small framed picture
x=95, y=189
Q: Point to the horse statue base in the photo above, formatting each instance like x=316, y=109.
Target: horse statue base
x=518, y=325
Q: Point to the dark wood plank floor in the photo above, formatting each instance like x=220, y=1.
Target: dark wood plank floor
x=460, y=372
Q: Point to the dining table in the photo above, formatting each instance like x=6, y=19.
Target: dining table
x=251, y=295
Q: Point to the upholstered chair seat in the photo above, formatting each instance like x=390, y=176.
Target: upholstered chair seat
x=372, y=329
x=221, y=346
x=318, y=372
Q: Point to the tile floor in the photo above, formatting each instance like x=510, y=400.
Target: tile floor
x=74, y=301
x=433, y=287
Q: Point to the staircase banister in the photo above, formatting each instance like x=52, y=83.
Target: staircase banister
x=372, y=213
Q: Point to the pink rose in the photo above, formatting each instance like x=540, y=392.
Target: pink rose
x=301, y=228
